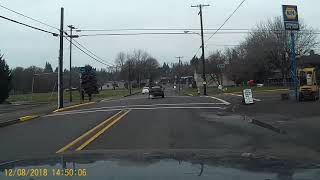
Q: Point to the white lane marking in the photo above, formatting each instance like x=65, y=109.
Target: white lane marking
x=147, y=105
x=221, y=100
x=143, y=97
x=241, y=96
x=120, y=99
x=119, y=109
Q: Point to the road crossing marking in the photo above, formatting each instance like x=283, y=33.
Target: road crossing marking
x=136, y=108
x=149, y=105
x=221, y=100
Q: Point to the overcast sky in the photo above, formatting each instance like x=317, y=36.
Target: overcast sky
x=24, y=47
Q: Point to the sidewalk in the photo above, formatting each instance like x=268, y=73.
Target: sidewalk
x=10, y=112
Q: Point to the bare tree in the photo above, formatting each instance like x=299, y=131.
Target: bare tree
x=266, y=49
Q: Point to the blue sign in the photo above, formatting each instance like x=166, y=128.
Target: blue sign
x=221, y=66
x=82, y=70
x=290, y=17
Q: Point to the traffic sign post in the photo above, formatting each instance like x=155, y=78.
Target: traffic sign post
x=291, y=23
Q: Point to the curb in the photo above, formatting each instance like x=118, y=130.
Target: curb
x=8, y=123
x=73, y=106
x=131, y=94
x=31, y=117
x=28, y=118
x=262, y=91
x=19, y=120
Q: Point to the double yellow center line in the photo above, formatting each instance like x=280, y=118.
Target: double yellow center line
x=94, y=133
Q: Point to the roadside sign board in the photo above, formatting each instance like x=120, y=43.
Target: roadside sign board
x=82, y=70
x=290, y=17
x=221, y=66
x=247, y=96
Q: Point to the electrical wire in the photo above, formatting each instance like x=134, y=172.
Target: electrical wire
x=155, y=29
x=91, y=56
x=110, y=64
x=54, y=34
x=28, y=17
x=226, y=20
x=173, y=33
x=134, y=34
x=221, y=26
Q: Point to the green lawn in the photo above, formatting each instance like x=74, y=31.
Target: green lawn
x=214, y=90
x=53, y=97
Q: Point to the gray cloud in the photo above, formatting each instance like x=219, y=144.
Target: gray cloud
x=25, y=47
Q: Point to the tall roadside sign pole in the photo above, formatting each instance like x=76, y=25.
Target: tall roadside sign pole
x=291, y=23
x=202, y=46
x=60, y=67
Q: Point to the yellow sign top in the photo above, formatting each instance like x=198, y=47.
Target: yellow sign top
x=291, y=13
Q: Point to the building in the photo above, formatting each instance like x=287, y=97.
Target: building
x=113, y=84
x=213, y=81
x=313, y=60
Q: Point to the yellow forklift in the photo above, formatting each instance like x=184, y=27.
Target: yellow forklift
x=309, y=83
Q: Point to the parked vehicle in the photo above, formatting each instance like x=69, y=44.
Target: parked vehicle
x=145, y=90
x=309, y=85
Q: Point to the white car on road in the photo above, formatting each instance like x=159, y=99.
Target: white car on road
x=145, y=90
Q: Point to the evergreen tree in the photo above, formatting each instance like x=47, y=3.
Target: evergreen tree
x=5, y=80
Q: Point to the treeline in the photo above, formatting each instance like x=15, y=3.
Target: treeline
x=43, y=80
x=265, y=51
x=142, y=68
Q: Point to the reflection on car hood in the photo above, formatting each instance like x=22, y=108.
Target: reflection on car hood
x=173, y=164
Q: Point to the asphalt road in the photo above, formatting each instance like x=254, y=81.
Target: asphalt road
x=219, y=123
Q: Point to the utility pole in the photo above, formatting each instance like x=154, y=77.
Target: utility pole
x=202, y=46
x=179, y=75
x=70, y=73
x=60, y=67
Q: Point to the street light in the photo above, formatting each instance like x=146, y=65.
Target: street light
x=71, y=37
x=191, y=32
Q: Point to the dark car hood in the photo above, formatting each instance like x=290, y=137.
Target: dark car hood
x=200, y=164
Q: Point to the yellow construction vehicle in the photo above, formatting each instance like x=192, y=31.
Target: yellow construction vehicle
x=309, y=84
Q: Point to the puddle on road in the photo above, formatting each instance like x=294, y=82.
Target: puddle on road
x=240, y=120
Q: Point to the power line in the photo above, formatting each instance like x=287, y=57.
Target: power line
x=175, y=33
x=133, y=34
x=54, y=34
x=110, y=64
x=196, y=52
x=29, y=17
x=155, y=29
x=91, y=56
x=226, y=20
x=221, y=25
